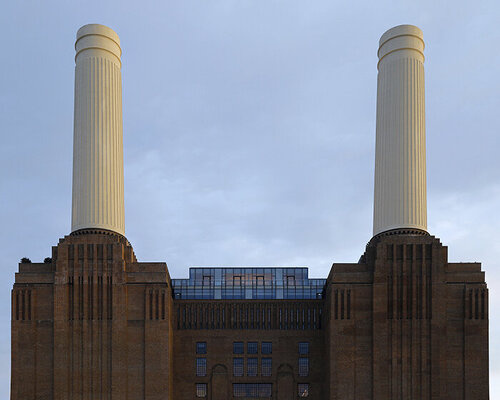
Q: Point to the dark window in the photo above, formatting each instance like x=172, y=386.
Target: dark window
x=290, y=280
x=267, y=366
x=303, y=389
x=267, y=348
x=201, y=390
x=201, y=367
x=238, y=348
x=304, y=348
x=303, y=366
x=238, y=366
x=201, y=348
x=251, y=367
x=252, y=389
x=252, y=348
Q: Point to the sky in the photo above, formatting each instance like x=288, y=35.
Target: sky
x=249, y=132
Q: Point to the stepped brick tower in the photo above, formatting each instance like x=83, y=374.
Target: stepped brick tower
x=401, y=323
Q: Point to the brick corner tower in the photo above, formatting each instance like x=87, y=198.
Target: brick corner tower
x=404, y=322
x=89, y=324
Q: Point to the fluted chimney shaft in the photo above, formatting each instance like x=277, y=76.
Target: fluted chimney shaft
x=400, y=176
x=98, y=132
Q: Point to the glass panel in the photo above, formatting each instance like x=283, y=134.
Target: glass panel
x=238, y=348
x=267, y=366
x=304, y=348
x=303, y=389
x=201, y=390
x=218, y=283
x=201, y=367
x=252, y=390
x=303, y=366
x=252, y=366
x=238, y=366
x=252, y=348
x=201, y=348
x=267, y=348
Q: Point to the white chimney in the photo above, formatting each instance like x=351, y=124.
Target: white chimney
x=98, y=132
x=400, y=177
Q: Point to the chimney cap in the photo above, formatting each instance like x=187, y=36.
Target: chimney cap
x=401, y=30
x=97, y=29
x=401, y=37
x=96, y=37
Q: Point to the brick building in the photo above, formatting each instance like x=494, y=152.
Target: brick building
x=401, y=323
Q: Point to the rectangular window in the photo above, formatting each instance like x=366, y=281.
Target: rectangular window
x=207, y=280
x=303, y=389
x=201, y=347
x=201, y=390
x=262, y=390
x=252, y=348
x=201, y=367
x=267, y=348
x=238, y=366
x=260, y=280
x=236, y=280
x=266, y=366
x=238, y=348
x=304, y=348
x=290, y=280
x=252, y=367
x=303, y=366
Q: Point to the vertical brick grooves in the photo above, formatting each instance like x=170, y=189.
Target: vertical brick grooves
x=22, y=305
x=342, y=304
x=107, y=260
x=109, y=293
x=163, y=305
x=216, y=315
x=476, y=307
x=15, y=294
x=409, y=314
x=89, y=314
x=409, y=282
x=155, y=301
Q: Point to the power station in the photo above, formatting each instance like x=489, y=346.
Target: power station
x=401, y=323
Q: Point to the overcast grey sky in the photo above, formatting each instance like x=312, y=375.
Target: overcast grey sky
x=249, y=132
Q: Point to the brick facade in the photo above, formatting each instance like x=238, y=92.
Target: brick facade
x=402, y=323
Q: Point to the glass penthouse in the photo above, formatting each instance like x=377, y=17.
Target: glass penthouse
x=249, y=283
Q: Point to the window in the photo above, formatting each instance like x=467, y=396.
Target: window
x=236, y=280
x=303, y=389
x=266, y=347
x=238, y=366
x=251, y=367
x=303, y=366
x=201, y=390
x=304, y=348
x=207, y=280
x=260, y=280
x=201, y=347
x=252, y=348
x=201, y=367
x=266, y=366
x=238, y=348
x=290, y=280
x=252, y=389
